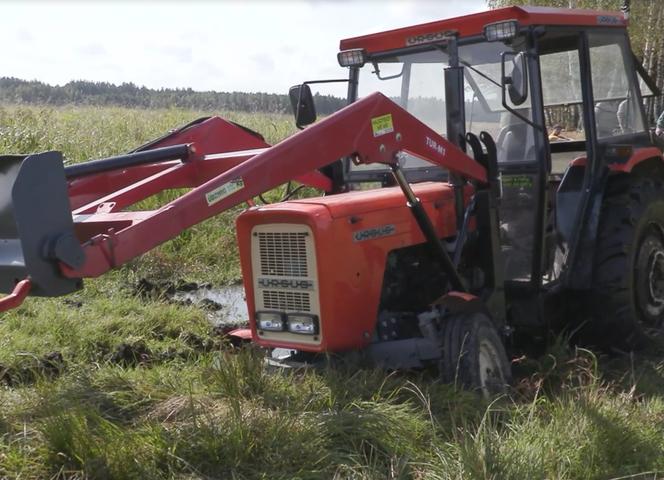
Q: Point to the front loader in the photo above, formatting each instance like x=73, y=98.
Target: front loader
x=450, y=227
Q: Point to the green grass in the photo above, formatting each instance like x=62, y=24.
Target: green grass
x=85, y=133
x=107, y=384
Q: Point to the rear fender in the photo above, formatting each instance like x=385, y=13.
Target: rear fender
x=461, y=302
x=638, y=156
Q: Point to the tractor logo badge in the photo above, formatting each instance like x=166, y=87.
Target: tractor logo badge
x=285, y=283
x=428, y=37
x=371, y=233
x=435, y=146
x=608, y=20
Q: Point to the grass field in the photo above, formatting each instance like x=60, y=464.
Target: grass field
x=107, y=383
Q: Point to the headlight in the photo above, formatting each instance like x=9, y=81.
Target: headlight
x=304, y=324
x=270, y=321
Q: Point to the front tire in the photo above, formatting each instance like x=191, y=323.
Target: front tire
x=473, y=355
x=627, y=300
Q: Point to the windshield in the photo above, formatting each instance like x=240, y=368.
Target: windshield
x=416, y=82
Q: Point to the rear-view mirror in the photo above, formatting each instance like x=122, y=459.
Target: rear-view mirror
x=515, y=77
x=302, y=102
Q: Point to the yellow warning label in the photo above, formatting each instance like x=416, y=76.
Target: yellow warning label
x=382, y=125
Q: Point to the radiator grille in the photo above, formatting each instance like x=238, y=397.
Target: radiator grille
x=283, y=254
x=285, y=276
x=286, y=300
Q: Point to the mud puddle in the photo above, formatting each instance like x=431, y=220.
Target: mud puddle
x=224, y=306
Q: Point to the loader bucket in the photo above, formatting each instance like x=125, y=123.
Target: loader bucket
x=36, y=227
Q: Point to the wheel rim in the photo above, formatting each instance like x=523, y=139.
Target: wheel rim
x=649, y=278
x=492, y=377
x=656, y=278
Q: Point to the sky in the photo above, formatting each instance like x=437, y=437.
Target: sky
x=222, y=45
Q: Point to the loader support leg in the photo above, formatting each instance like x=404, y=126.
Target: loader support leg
x=427, y=229
x=17, y=296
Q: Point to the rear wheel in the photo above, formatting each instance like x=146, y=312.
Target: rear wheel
x=473, y=355
x=628, y=292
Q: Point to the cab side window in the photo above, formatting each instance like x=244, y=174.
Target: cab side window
x=616, y=110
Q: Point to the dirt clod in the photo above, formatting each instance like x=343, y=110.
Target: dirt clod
x=209, y=304
x=72, y=303
x=187, y=287
x=131, y=354
x=30, y=368
x=52, y=364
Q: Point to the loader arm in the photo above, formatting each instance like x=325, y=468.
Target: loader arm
x=371, y=130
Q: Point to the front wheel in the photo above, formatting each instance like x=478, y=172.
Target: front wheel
x=473, y=355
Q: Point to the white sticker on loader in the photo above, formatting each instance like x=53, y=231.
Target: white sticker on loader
x=219, y=193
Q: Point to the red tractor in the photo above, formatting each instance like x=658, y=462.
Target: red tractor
x=451, y=224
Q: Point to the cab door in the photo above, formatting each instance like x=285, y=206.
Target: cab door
x=521, y=149
x=567, y=121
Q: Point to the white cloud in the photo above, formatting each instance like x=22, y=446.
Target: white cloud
x=23, y=35
x=179, y=53
x=94, y=49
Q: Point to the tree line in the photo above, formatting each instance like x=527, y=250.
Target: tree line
x=80, y=92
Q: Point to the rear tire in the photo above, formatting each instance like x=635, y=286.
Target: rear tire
x=473, y=355
x=627, y=300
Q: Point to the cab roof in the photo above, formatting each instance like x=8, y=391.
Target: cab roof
x=473, y=24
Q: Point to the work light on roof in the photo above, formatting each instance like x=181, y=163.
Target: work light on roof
x=355, y=57
x=500, y=30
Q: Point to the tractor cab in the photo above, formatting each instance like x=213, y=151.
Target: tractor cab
x=560, y=94
x=515, y=73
